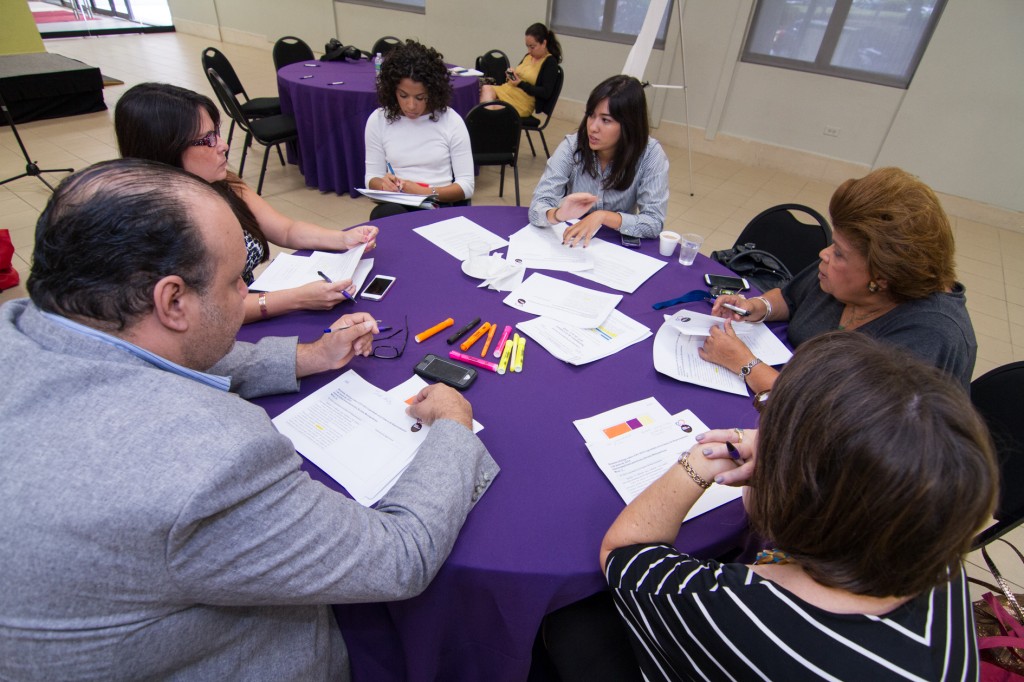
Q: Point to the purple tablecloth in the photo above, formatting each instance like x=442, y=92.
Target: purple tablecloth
x=531, y=544
x=331, y=118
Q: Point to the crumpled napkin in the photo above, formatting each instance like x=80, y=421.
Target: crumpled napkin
x=504, y=276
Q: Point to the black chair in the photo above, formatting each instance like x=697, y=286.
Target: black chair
x=251, y=108
x=493, y=65
x=999, y=396
x=547, y=108
x=271, y=131
x=494, y=135
x=794, y=243
x=289, y=49
x=384, y=45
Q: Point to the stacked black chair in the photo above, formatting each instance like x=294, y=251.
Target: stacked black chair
x=494, y=135
x=259, y=107
x=384, y=45
x=270, y=131
x=289, y=49
x=794, y=243
x=547, y=108
x=493, y=65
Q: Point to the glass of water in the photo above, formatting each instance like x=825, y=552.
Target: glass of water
x=689, y=245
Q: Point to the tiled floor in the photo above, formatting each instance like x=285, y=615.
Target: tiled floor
x=727, y=193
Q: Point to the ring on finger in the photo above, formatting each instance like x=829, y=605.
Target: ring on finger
x=739, y=435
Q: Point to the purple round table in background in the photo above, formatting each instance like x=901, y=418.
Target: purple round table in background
x=331, y=152
x=530, y=546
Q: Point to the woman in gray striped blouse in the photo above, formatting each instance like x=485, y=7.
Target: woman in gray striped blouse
x=869, y=477
x=609, y=173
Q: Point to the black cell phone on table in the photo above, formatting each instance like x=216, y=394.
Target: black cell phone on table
x=630, y=242
x=726, y=284
x=446, y=371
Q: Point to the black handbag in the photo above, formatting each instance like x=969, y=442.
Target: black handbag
x=334, y=51
x=760, y=268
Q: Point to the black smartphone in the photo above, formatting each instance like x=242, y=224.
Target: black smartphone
x=630, y=242
x=726, y=283
x=446, y=371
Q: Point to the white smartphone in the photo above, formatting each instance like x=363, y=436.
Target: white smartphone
x=378, y=286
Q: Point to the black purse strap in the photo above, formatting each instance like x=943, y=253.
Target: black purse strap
x=1004, y=586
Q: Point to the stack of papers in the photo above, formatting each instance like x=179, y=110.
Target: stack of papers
x=571, y=304
x=635, y=444
x=463, y=71
x=379, y=195
x=580, y=346
x=288, y=271
x=454, y=236
x=681, y=336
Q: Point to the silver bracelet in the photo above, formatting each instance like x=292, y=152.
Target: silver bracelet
x=767, y=309
x=693, y=474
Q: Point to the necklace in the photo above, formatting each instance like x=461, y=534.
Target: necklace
x=856, y=320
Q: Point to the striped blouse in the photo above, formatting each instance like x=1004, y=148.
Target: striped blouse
x=702, y=620
x=642, y=205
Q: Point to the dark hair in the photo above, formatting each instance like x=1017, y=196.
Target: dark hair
x=159, y=121
x=109, y=233
x=541, y=33
x=897, y=223
x=873, y=470
x=423, y=64
x=627, y=105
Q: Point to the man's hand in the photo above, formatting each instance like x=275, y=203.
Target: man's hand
x=441, y=402
x=352, y=335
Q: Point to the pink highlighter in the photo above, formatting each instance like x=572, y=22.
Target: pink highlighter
x=501, y=340
x=470, y=360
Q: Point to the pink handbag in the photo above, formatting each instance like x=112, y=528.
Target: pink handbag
x=1000, y=632
x=8, y=275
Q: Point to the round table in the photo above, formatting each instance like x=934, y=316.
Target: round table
x=331, y=119
x=530, y=545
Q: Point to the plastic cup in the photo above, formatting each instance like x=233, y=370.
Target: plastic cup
x=689, y=245
x=667, y=242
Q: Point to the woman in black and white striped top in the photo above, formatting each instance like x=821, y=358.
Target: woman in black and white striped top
x=873, y=474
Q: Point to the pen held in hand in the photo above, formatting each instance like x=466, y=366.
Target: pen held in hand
x=348, y=326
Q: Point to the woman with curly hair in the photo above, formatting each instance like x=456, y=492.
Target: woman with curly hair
x=415, y=143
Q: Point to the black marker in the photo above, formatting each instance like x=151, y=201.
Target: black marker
x=462, y=332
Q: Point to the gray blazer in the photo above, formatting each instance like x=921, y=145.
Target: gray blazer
x=153, y=527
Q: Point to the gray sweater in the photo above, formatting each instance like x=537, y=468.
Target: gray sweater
x=157, y=528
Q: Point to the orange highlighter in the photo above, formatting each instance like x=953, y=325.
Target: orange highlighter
x=423, y=336
x=487, y=343
x=476, y=335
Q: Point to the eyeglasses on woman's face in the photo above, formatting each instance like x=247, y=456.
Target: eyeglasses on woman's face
x=208, y=140
x=389, y=351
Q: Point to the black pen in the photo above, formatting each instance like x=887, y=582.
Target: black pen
x=462, y=332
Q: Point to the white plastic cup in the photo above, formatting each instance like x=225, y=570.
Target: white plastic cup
x=667, y=242
x=477, y=254
x=689, y=245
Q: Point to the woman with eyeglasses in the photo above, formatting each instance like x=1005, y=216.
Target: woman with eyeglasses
x=533, y=80
x=179, y=127
x=609, y=173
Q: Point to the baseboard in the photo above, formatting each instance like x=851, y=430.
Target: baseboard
x=195, y=28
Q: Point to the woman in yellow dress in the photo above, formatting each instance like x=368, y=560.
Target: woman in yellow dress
x=531, y=83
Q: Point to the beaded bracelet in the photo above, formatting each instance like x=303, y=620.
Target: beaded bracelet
x=693, y=474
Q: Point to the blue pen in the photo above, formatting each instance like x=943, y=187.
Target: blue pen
x=328, y=280
x=390, y=169
x=338, y=329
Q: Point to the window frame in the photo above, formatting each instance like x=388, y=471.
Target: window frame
x=605, y=34
x=830, y=41
x=384, y=4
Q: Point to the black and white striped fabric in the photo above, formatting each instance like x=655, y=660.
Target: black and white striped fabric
x=702, y=620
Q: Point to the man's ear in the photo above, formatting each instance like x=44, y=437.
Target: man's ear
x=171, y=303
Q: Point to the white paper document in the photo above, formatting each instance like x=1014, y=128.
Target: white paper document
x=675, y=355
x=569, y=303
x=761, y=340
x=621, y=420
x=454, y=236
x=288, y=271
x=640, y=454
x=402, y=198
x=579, y=346
x=541, y=248
x=619, y=268
x=356, y=433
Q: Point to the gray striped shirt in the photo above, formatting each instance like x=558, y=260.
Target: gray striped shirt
x=642, y=206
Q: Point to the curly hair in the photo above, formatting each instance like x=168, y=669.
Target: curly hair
x=424, y=65
x=897, y=223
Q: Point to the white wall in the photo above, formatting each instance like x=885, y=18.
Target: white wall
x=959, y=126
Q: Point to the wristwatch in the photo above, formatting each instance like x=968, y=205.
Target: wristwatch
x=745, y=369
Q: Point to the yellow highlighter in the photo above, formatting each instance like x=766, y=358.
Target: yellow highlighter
x=515, y=353
x=520, y=349
x=505, y=355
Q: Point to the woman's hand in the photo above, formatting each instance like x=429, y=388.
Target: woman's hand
x=743, y=453
x=391, y=183
x=724, y=348
x=364, y=234
x=512, y=77
x=320, y=295
x=575, y=205
x=582, y=230
x=719, y=309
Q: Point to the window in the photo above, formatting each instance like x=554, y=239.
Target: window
x=878, y=41
x=616, y=21
x=417, y=6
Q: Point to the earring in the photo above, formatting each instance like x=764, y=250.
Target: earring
x=872, y=286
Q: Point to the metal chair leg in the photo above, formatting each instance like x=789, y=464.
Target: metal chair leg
x=515, y=170
x=501, y=187
x=545, y=143
x=245, y=150
x=530, y=140
x=263, y=170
